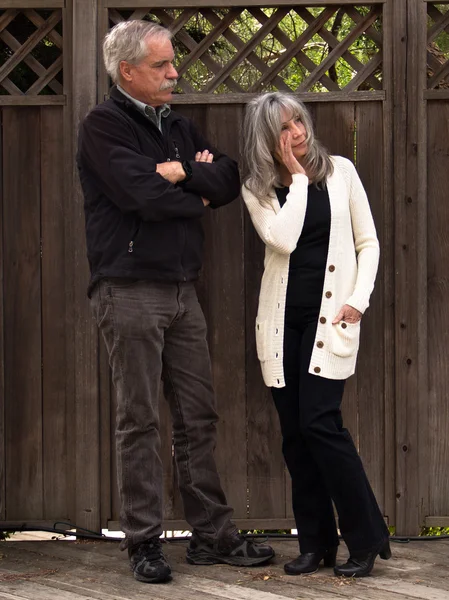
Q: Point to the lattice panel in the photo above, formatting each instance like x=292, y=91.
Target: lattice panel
x=239, y=50
x=30, y=52
x=438, y=45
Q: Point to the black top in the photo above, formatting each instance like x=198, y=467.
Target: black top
x=138, y=224
x=308, y=260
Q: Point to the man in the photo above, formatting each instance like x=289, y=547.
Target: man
x=147, y=176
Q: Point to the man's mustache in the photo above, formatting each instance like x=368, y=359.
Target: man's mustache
x=169, y=84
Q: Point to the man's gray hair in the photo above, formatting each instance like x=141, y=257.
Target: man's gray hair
x=127, y=41
x=261, y=135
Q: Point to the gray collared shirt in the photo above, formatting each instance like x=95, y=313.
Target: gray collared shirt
x=154, y=114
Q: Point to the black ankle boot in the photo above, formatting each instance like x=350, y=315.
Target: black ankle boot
x=308, y=563
x=362, y=565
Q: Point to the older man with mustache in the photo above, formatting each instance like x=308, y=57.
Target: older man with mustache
x=147, y=176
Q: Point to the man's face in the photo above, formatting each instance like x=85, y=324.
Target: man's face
x=152, y=80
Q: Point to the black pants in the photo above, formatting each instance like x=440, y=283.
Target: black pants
x=319, y=452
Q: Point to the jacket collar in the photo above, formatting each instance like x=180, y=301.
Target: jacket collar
x=130, y=107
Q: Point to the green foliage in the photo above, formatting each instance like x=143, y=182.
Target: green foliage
x=434, y=531
x=264, y=531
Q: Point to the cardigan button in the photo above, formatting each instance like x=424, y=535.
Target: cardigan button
x=343, y=325
x=328, y=294
x=323, y=320
x=331, y=268
x=317, y=370
x=319, y=344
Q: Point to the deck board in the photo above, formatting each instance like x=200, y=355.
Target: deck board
x=71, y=570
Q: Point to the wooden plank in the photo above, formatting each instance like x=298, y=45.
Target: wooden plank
x=11, y=87
x=103, y=77
x=33, y=3
x=266, y=470
x=68, y=173
x=245, y=524
x=438, y=314
x=410, y=265
x=221, y=292
x=32, y=100
x=222, y=3
x=416, y=572
x=436, y=94
x=22, y=312
x=418, y=121
x=107, y=445
x=387, y=255
x=2, y=337
x=86, y=384
x=319, y=97
x=370, y=370
x=334, y=126
x=437, y=521
x=53, y=315
x=404, y=342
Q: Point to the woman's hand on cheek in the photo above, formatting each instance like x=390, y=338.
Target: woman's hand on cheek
x=286, y=153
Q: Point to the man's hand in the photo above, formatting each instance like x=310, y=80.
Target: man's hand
x=348, y=314
x=204, y=156
x=171, y=171
x=207, y=157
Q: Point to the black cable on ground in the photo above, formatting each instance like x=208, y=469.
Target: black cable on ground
x=81, y=532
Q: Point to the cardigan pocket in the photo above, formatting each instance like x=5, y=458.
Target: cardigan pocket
x=261, y=340
x=345, y=338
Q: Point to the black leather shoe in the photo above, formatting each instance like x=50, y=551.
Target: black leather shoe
x=308, y=563
x=361, y=566
x=148, y=562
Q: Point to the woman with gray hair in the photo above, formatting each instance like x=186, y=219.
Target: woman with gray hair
x=321, y=259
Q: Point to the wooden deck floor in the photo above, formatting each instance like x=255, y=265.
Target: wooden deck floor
x=64, y=570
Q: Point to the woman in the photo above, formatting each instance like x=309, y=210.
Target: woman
x=321, y=259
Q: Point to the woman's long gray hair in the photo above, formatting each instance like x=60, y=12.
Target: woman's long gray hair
x=262, y=128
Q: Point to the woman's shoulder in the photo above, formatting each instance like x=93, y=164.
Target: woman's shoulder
x=344, y=166
x=250, y=197
x=342, y=162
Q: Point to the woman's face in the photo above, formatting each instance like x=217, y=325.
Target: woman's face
x=292, y=125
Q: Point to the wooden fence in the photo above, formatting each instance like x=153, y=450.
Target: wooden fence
x=391, y=116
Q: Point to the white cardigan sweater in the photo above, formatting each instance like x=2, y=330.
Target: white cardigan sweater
x=351, y=269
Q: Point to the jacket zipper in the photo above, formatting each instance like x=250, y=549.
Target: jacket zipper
x=177, y=155
x=133, y=237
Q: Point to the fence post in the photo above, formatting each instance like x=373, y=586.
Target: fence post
x=85, y=336
x=410, y=263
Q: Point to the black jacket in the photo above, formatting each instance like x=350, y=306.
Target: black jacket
x=139, y=225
